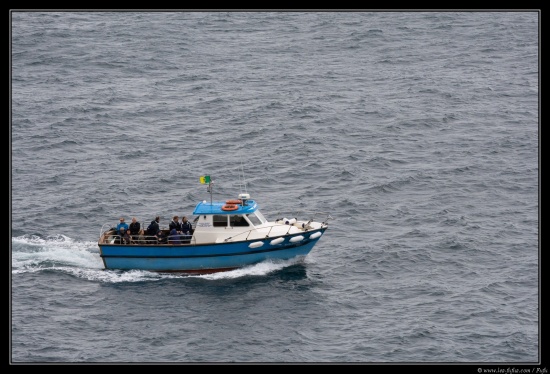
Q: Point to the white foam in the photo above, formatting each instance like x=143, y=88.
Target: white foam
x=260, y=269
x=28, y=252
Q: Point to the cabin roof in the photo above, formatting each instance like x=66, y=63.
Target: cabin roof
x=216, y=208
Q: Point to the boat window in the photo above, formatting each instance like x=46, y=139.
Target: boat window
x=254, y=219
x=219, y=220
x=237, y=220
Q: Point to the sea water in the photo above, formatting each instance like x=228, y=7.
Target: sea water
x=417, y=131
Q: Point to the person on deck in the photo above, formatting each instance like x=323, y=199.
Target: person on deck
x=175, y=224
x=186, y=226
x=161, y=239
x=121, y=225
x=125, y=236
x=134, y=228
x=174, y=237
x=153, y=229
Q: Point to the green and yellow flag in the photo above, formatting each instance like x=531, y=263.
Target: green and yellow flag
x=205, y=179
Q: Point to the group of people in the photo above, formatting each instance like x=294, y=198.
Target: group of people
x=134, y=233
x=128, y=233
x=179, y=231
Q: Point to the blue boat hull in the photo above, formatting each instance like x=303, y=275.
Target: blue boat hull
x=203, y=258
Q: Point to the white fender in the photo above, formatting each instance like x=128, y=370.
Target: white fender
x=255, y=244
x=316, y=235
x=296, y=239
x=277, y=241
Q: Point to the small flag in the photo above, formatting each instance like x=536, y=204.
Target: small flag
x=205, y=179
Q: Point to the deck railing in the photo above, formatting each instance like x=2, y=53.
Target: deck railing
x=148, y=239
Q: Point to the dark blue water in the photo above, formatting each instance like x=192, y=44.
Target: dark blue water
x=417, y=131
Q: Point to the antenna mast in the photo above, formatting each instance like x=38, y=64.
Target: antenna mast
x=210, y=189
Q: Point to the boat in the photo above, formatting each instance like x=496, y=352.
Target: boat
x=225, y=235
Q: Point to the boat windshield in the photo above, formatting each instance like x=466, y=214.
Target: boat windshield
x=256, y=218
x=237, y=220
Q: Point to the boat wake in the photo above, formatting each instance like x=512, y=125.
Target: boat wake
x=31, y=253
x=262, y=268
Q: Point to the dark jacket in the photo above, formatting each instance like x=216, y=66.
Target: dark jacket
x=134, y=228
x=161, y=238
x=185, y=227
x=153, y=228
x=174, y=225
